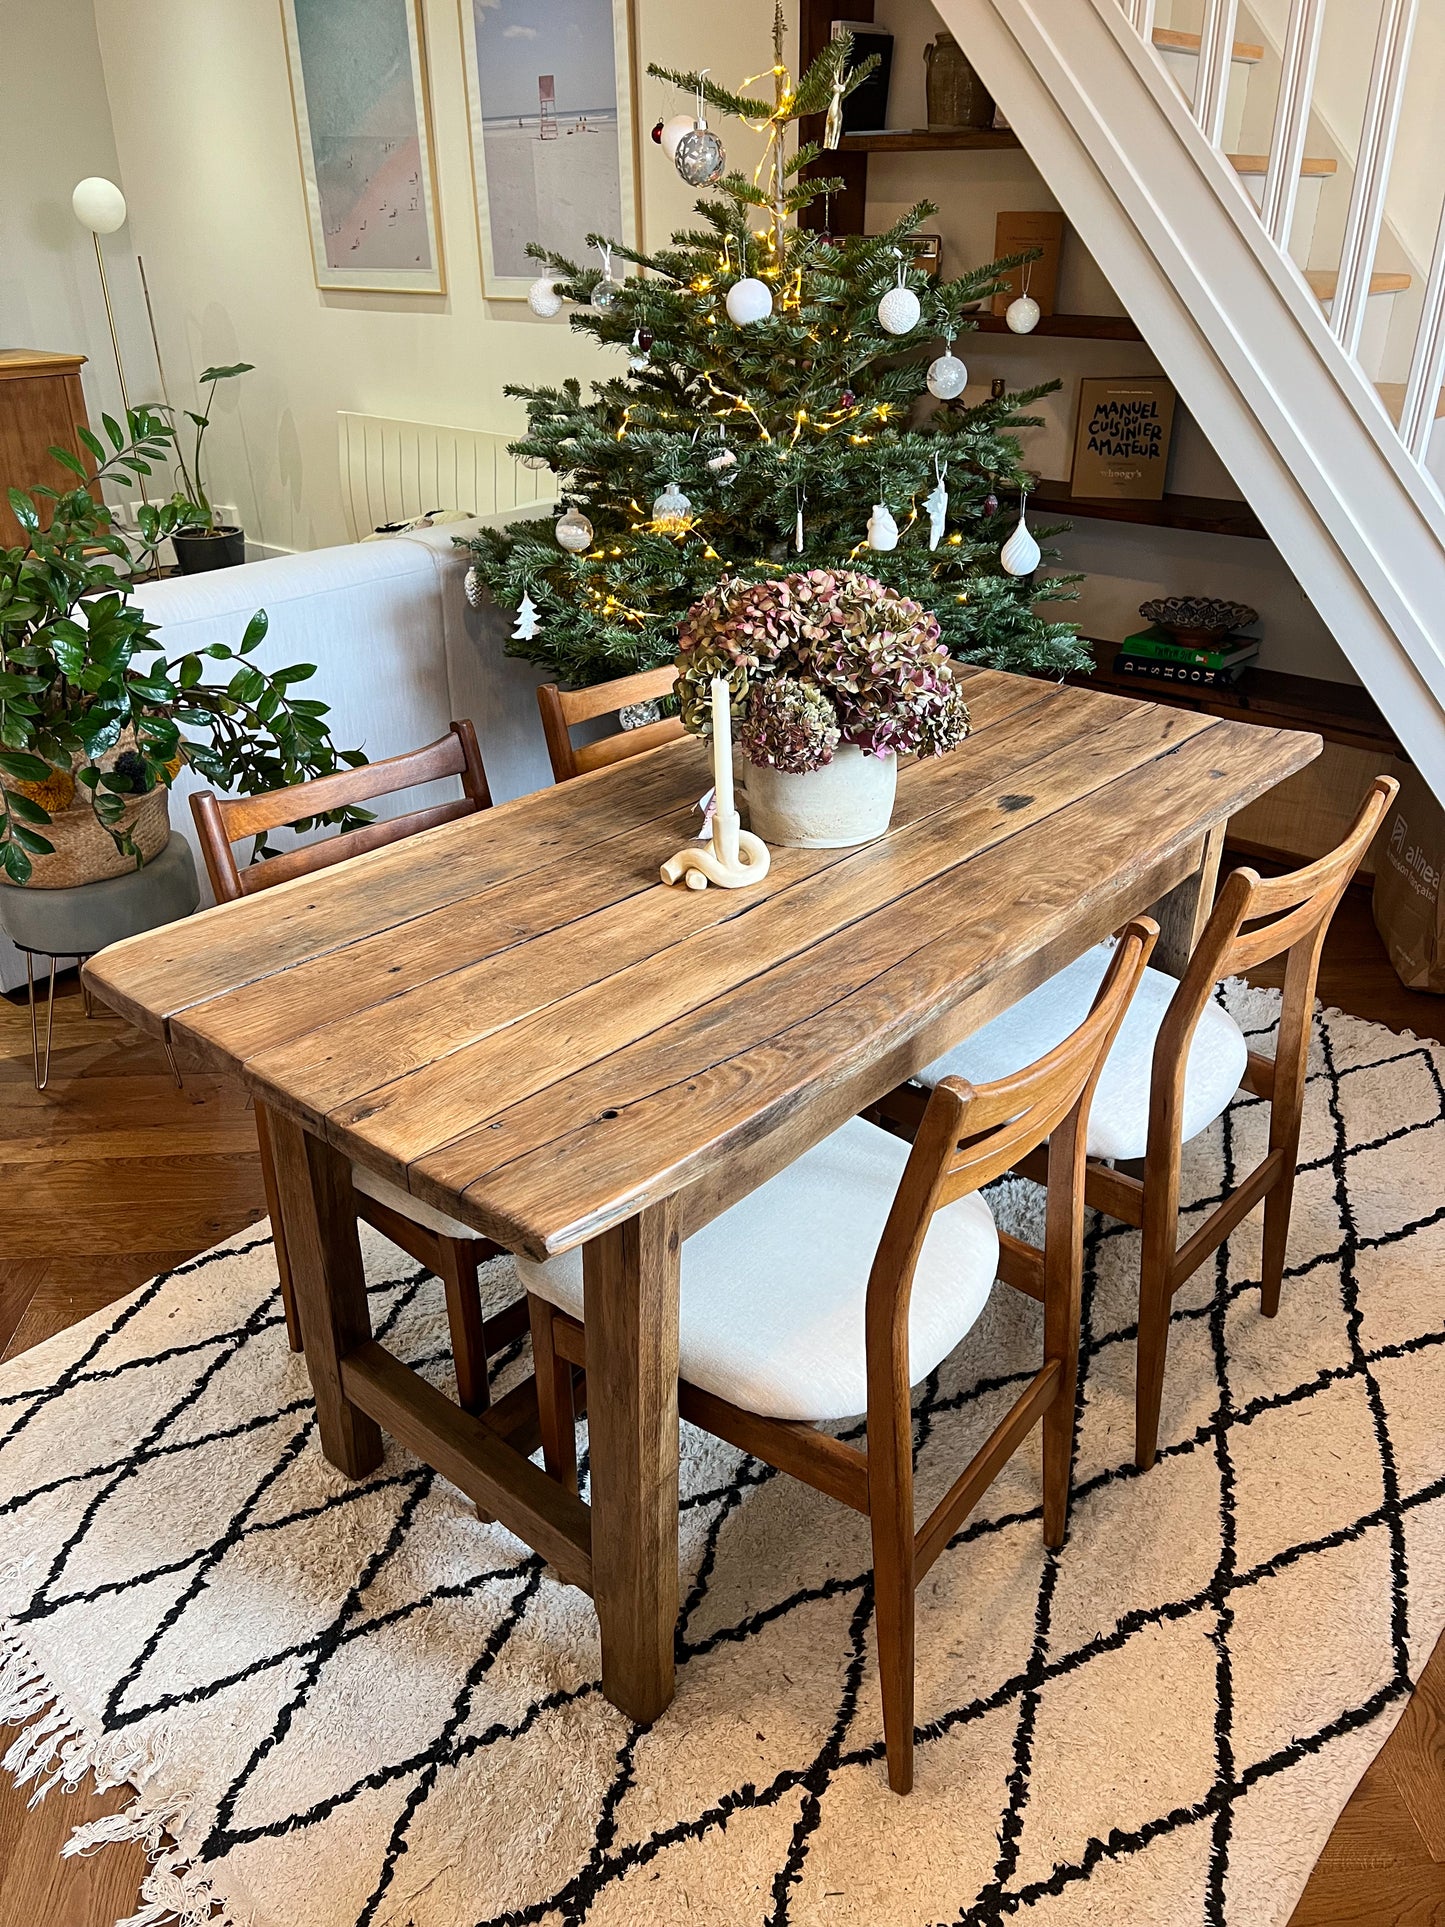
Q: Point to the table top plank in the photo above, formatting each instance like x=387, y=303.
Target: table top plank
x=567, y=1158
x=341, y=1062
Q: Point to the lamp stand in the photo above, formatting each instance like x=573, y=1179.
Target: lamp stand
x=115, y=344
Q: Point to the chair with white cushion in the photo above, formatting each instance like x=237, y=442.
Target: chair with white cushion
x=447, y=1247
x=1176, y=1065
x=784, y=1325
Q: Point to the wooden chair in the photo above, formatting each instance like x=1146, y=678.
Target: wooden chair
x=783, y=1327
x=444, y=1245
x=1177, y=1064
x=563, y=709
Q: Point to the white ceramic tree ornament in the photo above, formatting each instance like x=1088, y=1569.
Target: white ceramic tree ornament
x=900, y=309
x=734, y=856
x=749, y=300
x=1021, y=555
x=527, y=623
x=573, y=531
x=475, y=591
x=673, y=131
x=543, y=298
x=882, y=529
x=935, y=504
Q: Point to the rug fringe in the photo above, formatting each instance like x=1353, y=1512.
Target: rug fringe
x=53, y=1749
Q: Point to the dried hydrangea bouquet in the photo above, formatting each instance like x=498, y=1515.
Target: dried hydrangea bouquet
x=832, y=676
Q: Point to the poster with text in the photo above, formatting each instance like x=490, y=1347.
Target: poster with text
x=1121, y=451
x=549, y=89
x=358, y=84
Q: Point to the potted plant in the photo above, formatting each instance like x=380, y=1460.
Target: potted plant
x=95, y=719
x=832, y=676
x=199, y=541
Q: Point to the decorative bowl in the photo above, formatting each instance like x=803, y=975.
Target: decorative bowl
x=1198, y=619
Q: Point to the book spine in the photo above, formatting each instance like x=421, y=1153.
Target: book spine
x=1163, y=651
x=1189, y=675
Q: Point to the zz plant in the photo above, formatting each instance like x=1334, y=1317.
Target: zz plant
x=80, y=665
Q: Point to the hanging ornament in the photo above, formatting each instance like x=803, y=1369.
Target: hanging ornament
x=1021, y=555
x=475, y=588
x=900, y=308
x=527, y=623
x=722, y=461
x=990, y=505
x=882, y=529
x=573, y=531
x=672, y=511
x=639, y=358
x=847, y=398
x=668, y=133
x=749, y=300
x=833, y=125
x=935, y=504
x=699, y=155
x=798, y=526
x=1022, y=315
x=543, y=298
x=534, y=461
x=605, y=291
x=947, y=376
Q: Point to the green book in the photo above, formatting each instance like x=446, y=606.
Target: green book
x=1153, y=642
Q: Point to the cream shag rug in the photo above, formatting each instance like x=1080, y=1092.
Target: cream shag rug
x=356, y=1703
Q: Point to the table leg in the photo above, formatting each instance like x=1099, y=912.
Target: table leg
x=1184, y=911
x=630, y=1295
x=318, y=1208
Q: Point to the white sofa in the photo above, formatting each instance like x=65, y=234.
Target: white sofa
x=398, y=650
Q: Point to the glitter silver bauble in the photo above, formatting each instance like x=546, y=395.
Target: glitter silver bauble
x=947, y=377
x=474, y=587
x=543, y=298
x=1023, y=315
x=899, y=311
x=573, y=532
x=700, y=157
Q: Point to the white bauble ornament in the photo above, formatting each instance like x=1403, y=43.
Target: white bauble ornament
x=700, y=159
x=1020, y=555
x=475, y=591
x=749, y=300
x=947, y=377
x=527, y=623
x=1023, y=315
x=899, y=311
x=882, y=529
x=673, y=131
x=543, y=298
x=671, y=511
x=573, y=532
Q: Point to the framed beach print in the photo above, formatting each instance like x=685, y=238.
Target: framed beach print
x=550, y=99
x=363, y=127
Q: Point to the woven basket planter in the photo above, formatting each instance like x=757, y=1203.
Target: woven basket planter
x=84, y=852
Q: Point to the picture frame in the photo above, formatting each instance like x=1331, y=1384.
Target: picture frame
x=529, y=129
x=364, y=137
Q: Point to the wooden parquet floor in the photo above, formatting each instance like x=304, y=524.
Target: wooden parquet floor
x=113, y=1174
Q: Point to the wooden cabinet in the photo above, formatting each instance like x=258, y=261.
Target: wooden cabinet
x=41, y=402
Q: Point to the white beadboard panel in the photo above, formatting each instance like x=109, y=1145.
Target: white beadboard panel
x=392, y=470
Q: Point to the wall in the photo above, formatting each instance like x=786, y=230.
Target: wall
x=208, y=160
x=55, y=128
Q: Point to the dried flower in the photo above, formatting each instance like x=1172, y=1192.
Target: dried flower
x=788, y=725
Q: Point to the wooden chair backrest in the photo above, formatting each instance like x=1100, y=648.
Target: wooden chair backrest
x=1285, y=914
x=973, y=1133
x=563, y=709
x=222, y=822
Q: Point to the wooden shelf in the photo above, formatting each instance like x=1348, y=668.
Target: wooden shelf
x=1340, y=712
x=1208, y=514
x=1083, y=327
x=927, y=140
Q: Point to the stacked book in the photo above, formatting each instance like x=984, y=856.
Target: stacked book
x=1157, y=656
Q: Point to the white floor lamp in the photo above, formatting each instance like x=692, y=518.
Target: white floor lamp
x=100, y=206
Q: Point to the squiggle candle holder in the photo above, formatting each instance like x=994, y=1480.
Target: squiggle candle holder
x=735, y=856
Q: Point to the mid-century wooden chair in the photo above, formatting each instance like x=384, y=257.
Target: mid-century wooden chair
x=444, y=1245
x=784, y=1327
x=1179, y=1060
x=563, y=709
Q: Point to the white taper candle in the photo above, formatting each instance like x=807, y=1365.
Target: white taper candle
x=722, y=746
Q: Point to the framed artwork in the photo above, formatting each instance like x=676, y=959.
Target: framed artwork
x=363, y=128
x=554, y=157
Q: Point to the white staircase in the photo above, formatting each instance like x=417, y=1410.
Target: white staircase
x=1270, y=307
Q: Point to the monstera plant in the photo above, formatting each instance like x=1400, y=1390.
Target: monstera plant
x=96, y=719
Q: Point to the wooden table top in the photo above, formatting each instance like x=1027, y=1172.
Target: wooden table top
x=513, y=1017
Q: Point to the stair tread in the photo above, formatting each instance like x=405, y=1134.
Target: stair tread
x=1392, y=394
x=1173, y=41
x=1310, y=169
x=1324, y=281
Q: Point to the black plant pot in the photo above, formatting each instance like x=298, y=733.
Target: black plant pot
x=201, y=549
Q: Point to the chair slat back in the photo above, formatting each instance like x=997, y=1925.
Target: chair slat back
x=563, y=709
x=222, y=822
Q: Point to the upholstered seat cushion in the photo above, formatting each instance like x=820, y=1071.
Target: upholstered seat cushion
x=1119, y=1119
x=773, y=1290
x=406, y=1206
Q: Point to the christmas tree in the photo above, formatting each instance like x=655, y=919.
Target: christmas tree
x=749, y=448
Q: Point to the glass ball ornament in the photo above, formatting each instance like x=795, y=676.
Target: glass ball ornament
x=573, y=532
x=668, y=133
x=535, y=462
x=605, y=292
x=543, y=298
x=700, y=157
x=947, y=377
x=1022, y=315
x=899, y=311
x=671, y=511
x=749, y=300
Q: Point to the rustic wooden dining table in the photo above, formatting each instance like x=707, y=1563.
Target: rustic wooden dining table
x=512, y=1017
